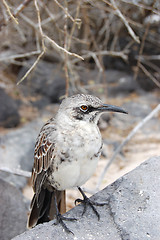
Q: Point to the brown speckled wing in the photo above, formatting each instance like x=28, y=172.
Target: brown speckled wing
x=42, y=158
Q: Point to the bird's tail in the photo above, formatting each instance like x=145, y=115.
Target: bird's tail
x=43, y=207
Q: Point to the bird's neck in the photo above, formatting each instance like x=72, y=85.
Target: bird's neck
x=64, y=121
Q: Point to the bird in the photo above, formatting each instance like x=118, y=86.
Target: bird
x=66, y=153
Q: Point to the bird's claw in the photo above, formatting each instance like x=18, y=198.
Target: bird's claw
x=87, y=202
x=61, y=219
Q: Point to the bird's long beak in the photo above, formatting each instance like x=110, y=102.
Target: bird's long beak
x=111, y=108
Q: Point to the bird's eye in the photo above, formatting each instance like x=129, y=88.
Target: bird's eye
x=84, y=108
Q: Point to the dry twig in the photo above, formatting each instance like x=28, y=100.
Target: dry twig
x=118, y=12
x=31, y=68
x=16, y=12
x=9, y=12
x=23, y=55
x=43, y=46
x=103, y=53
x=141, y=50
x=54, y=44
x=65, y=10
x=139, y=5
x=148, y=74
x=16, y=171
x=44, y=36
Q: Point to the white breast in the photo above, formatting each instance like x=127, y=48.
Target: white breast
x=81, y=145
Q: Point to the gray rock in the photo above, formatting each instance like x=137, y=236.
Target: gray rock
x=112, y=76
x=17, y=150
x=9, y=116
x=145, y=82
x=41, y=103
x=132, y=213
x=47, y=80
x=119, y=83
x=124, y=86
x=136, y=112
x=124, y=83
x=13, y=211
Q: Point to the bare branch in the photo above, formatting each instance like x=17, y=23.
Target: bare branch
x=20, y=55
x=151, y=65
x=21, y=7
x=39, y=24
x=16, y=12
x=103, y=53
x=31, y=68
x=142, y=6
x=97, y=62
x=54, y=44
x=9, y=12
x=151, y=57
x=74, y=24
x=141, y=50
x=16, y=171
x=149, y=75
x=65, y=10
x=118, y=12
x=66, y=47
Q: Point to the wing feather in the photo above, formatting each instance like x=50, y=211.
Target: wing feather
x=42, y=158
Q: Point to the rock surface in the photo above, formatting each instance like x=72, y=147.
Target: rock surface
x=9, y=116
x=120, y=83
x=17, y=151
x=47, y=81
x=133, y=211
x=13, y=211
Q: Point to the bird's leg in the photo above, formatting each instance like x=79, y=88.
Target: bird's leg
x=60, y=219
x=87, y=202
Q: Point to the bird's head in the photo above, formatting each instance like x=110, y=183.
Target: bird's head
x=86, y=108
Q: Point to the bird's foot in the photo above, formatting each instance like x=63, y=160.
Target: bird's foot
x=87, y=202
x=61, y=219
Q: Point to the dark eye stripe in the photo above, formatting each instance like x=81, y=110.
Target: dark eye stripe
x=91, y=109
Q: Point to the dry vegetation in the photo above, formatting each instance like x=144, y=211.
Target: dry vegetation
x=69, y=31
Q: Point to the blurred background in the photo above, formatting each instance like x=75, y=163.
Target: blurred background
x=53, y=49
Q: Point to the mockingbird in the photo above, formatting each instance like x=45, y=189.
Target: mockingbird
x=66, y=155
